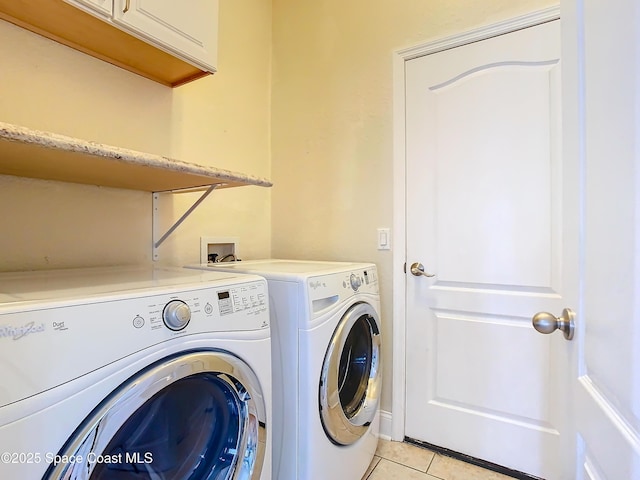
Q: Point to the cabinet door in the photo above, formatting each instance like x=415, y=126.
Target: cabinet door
x=187, y=29
x=98, y=8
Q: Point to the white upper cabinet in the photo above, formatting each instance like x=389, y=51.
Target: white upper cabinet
x=187, y=29
x=104, y=7
x=167, y=41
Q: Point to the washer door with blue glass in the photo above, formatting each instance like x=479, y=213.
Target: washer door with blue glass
x=195, y=416
x=351, y=377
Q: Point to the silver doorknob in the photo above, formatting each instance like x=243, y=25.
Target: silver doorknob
x=418, y=270
x=545, y=322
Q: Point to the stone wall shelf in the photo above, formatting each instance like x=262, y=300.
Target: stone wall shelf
x=49, y=156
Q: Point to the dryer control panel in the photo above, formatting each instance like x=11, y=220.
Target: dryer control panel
x=240, y=307
x=176, y=315
x=104, y=328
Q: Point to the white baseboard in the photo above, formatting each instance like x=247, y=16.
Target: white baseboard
x=385, y=425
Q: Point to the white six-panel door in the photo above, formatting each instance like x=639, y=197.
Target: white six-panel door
x=485, y=184
x=602, y=92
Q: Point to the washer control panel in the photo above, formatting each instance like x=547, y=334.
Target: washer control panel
x=355, y=281
x=365, y=280
x=325, y=289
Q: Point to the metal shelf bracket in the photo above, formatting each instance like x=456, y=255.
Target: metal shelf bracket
x=156, y=217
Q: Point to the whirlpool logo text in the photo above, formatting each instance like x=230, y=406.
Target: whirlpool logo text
x=16, y=333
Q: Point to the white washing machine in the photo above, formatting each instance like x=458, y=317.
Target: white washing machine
x=134, y=374
x=325, y=324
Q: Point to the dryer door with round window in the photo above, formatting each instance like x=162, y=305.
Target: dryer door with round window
x=351, y=376
x=198, y=415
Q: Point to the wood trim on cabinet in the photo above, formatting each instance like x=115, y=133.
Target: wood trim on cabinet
x=81, y=31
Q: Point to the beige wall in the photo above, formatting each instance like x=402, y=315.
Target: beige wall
x=324, y=117
x=224, y=120
x=332, y=122
x=221, y=120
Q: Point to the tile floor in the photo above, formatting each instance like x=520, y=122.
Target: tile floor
x=403, y=461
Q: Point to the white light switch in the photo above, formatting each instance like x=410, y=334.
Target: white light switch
x=384, y=239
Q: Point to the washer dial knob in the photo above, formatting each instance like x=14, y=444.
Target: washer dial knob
x=355, y=282
x=176, y=315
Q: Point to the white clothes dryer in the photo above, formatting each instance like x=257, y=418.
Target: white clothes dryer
x=325, y=324
x=134, y=374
